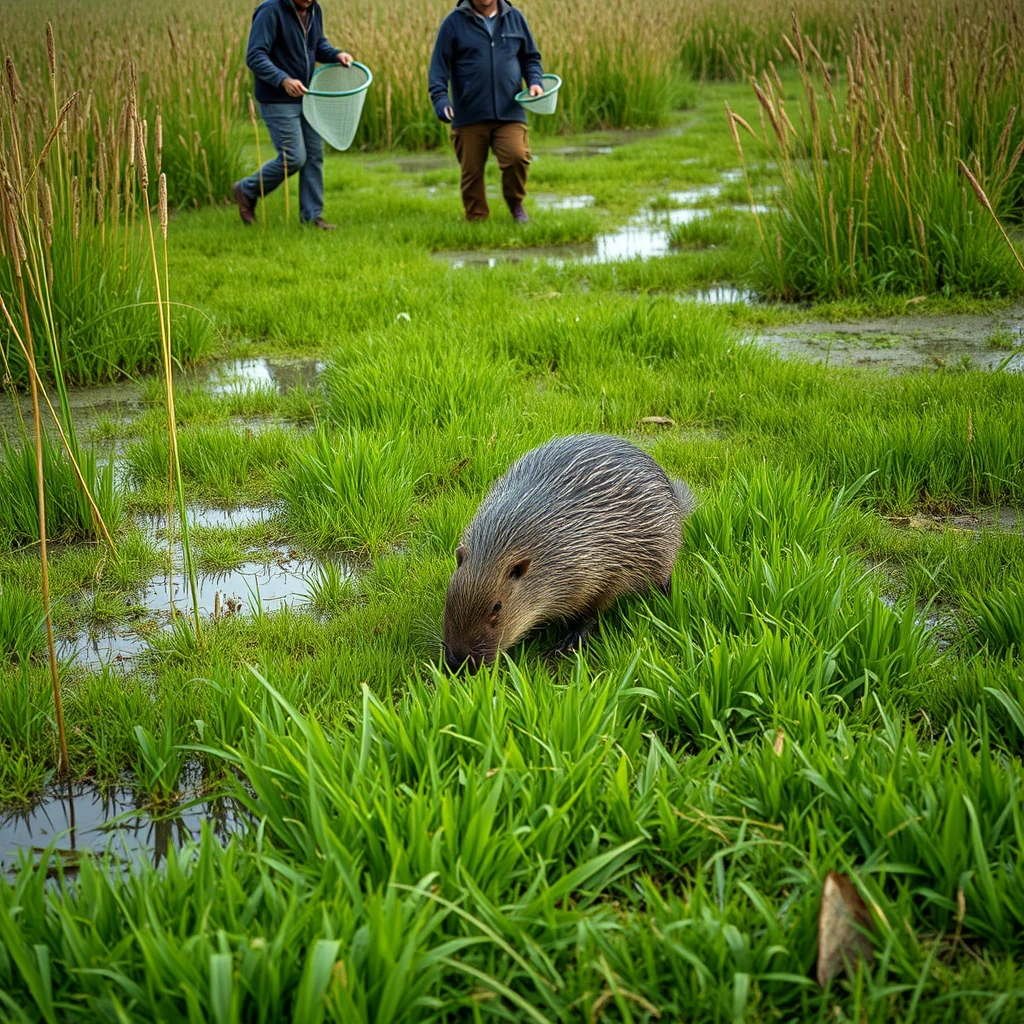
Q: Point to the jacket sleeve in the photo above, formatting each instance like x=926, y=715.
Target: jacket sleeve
x=440, y=70
x=529, y=58
x=261, y=39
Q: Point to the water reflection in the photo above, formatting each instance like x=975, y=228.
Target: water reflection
x=81, y=818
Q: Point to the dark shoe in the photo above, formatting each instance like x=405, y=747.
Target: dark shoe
x=246, y=207
x=319, y=222
x=518, y=213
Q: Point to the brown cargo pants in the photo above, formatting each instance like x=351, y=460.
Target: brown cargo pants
x=511, y=147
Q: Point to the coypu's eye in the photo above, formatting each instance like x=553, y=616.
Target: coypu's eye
x=496, y=608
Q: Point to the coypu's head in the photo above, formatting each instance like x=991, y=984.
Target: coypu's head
x=487, y=608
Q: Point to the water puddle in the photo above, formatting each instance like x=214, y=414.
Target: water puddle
x=99, y=649
x=82, y=819
x=645, y=236
x=905, y=343
x=240, y=376
x=998, y=520
x=719, y=295
x=126, y=399
x=419, y=163
x=696, y=195
x=155, y=525
x=575, y=152
x=550, y=201
x=252, y=588
x=272, y=577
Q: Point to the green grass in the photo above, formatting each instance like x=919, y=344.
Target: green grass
x=639, y=834
x=69, y=516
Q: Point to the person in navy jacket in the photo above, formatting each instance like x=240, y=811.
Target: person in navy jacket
x=285, y=42
x=484, y=51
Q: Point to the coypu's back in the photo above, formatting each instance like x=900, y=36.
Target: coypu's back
x=597, y=516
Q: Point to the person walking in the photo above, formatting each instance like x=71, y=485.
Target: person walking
x=484, y=50
x=285, y=41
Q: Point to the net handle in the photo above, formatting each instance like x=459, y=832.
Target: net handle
x=345, y=92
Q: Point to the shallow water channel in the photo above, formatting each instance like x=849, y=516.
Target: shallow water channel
x=645, y=236
x=80, y=818
x=272, y=575
x=276, y=576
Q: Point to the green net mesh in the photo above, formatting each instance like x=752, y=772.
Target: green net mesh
x=334, y=102
x=547, y=101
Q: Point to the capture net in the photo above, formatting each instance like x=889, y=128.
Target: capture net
x=334, y=102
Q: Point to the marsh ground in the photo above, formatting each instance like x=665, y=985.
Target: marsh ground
x=836, y=683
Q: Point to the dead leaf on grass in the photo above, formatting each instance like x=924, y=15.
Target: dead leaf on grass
x=843, y=915
x=780, y=742
x=659, y=421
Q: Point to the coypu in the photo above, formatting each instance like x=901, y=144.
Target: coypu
x=573, y=525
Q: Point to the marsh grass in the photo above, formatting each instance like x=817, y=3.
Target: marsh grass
x=22, y=621
x=997, y=618
x=69, y=511
x=642, y=831
x=76, y=205
x=349, y=490
x=872, y=201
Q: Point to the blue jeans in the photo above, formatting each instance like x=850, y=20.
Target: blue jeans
x=295, y=140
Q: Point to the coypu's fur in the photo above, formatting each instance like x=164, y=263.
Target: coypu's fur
x=571, y=527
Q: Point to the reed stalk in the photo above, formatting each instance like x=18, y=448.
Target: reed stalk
x=19, y=256
x=983, y=199
x=287, y=190
x=259, y=161
x=163, y=312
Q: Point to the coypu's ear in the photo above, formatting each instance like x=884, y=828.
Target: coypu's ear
x=519, y=570
x=460, y=555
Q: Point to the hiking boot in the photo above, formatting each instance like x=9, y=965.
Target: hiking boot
x=246, y=207
x=518, y=213
x=320, y=223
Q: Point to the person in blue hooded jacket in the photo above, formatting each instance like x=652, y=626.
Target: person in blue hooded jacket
x=484, y=51
x=285, y=42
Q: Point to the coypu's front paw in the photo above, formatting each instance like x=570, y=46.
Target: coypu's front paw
x=574, y=640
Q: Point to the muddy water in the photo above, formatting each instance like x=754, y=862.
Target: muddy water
x=644, y=237
x=126, y=398
x=81, y=819
x=967, y=341
x=719, y=295
x=238, y=376
x=274, y=577
x=551, y=201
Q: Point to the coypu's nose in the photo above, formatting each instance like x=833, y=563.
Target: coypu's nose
x=456, y=659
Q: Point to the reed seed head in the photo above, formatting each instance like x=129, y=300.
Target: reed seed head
x=51, y=51
x=976, y=185
x=162, y=203
x=13, y=85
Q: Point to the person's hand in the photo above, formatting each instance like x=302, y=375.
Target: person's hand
x=293, y=87
x=448, y=113
x=536, y=90
x=345, y=58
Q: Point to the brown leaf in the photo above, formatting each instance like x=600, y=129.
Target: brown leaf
x=780, y=741
x=659, y=421
x=840, y=941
